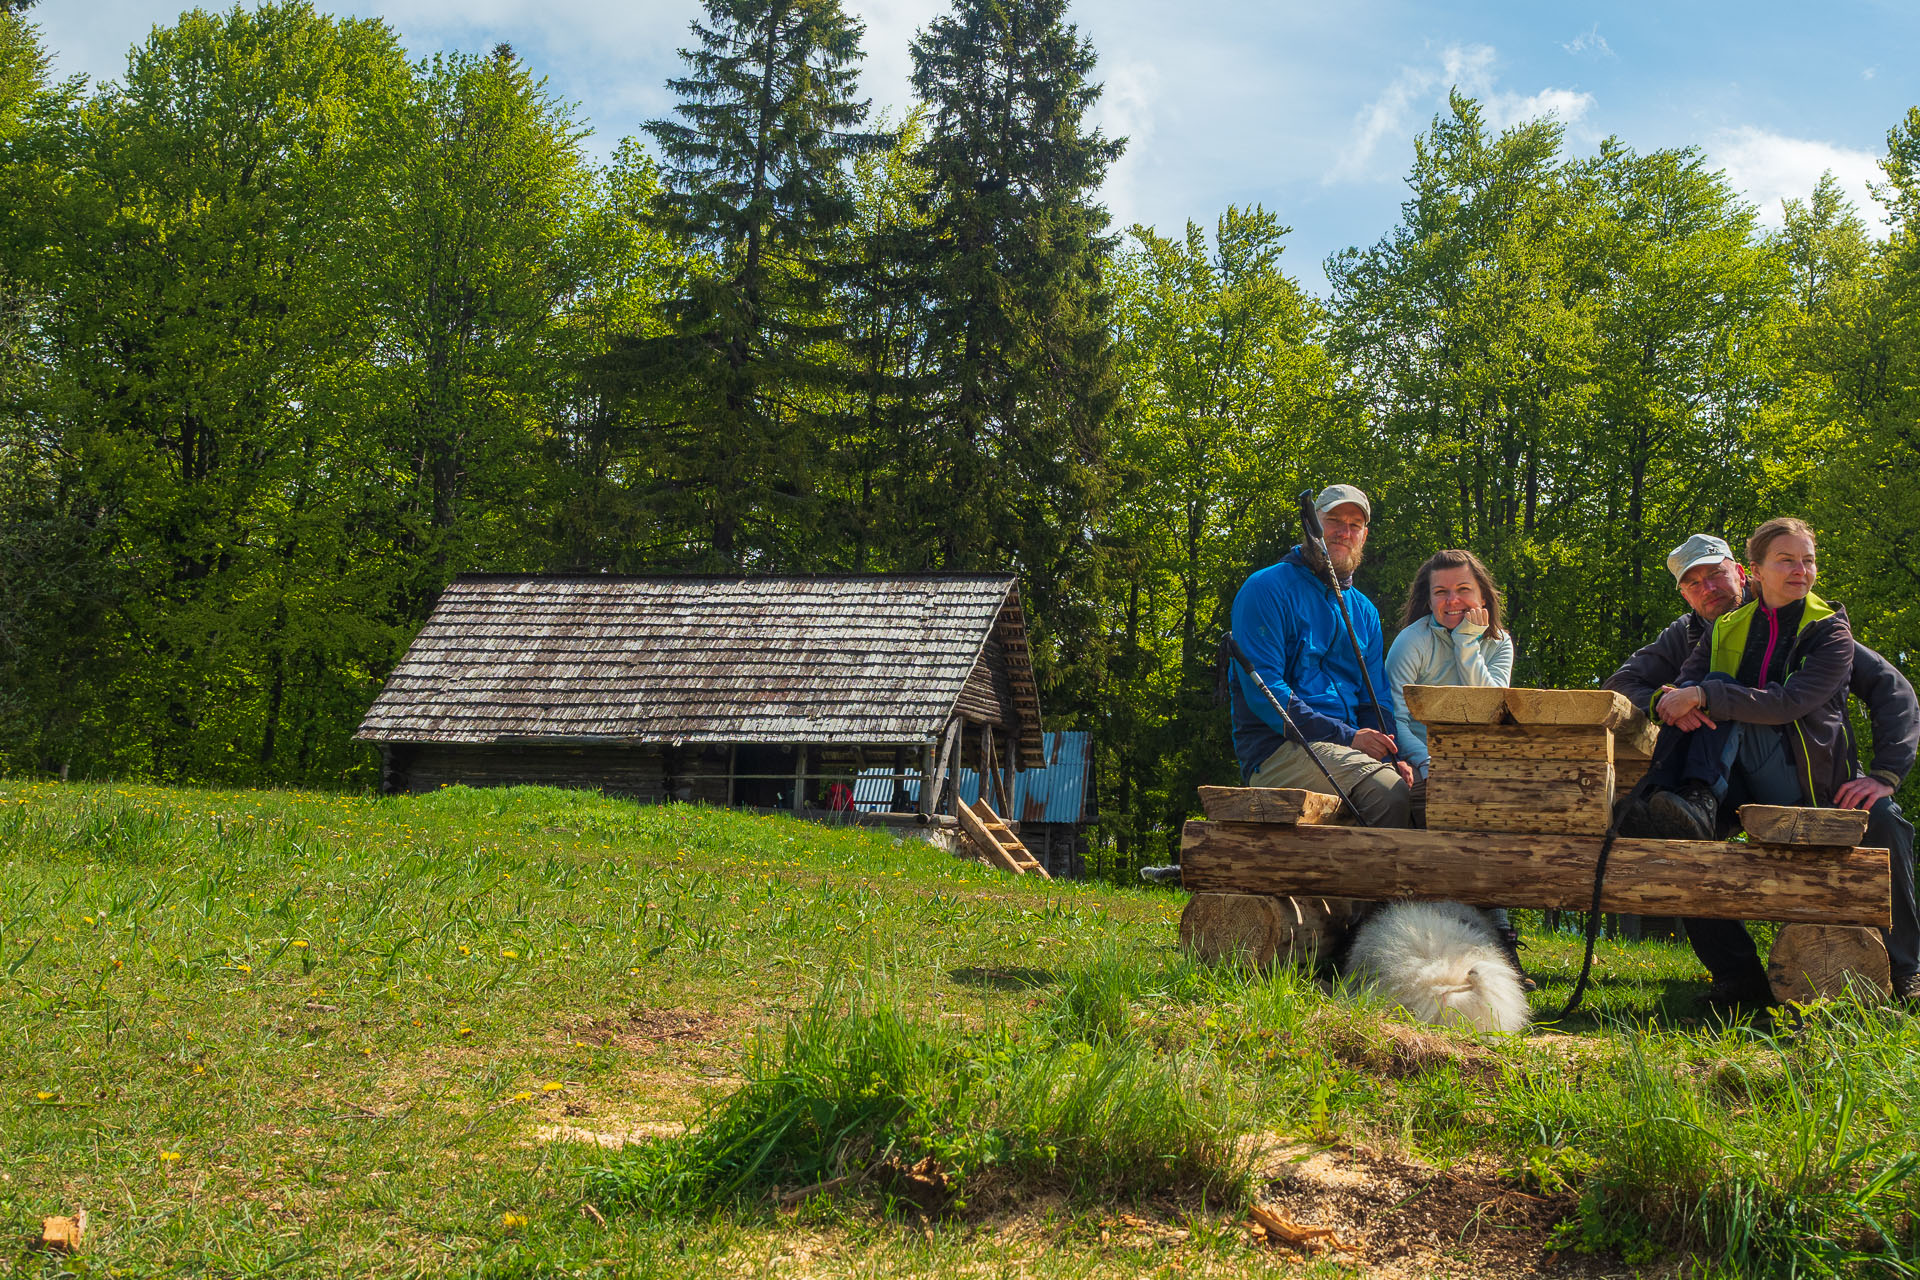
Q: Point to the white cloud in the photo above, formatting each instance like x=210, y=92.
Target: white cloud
x=1770, y=167
x=1467, y=67
x=1418, y=92
x=1126, y=110
x=1868, y=73
x=1504, y=110
x=1590, y=43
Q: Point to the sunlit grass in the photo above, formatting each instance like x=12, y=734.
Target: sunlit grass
x=322, y=1035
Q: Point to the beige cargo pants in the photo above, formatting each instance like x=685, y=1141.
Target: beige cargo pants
x=1376, y=788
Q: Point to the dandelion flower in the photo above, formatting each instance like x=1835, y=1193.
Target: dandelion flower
x=300, y=942
x=466, y=951
x=522, y=1096
x=466, y=1031
x=551, y=1086
x=169, y=1156
x=513, y=1221
x=44, y=1096
x=510, y=955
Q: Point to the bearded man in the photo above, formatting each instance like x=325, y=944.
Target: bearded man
x=1288, y=624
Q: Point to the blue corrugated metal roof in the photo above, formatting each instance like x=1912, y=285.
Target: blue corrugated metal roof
x=1057, y=793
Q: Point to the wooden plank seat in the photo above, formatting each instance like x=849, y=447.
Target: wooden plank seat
x=1791, y=868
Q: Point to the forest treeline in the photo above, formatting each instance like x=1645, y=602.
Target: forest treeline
x=292, y=330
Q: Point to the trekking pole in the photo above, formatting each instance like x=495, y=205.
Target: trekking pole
x=1231, y=648
x=1315, y=540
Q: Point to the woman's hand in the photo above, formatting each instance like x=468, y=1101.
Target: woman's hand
x=1472, y=623
x=1683, y=708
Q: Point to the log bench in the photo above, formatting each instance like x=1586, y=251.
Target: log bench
x=1520, y=792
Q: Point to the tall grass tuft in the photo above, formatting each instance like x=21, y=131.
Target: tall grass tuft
x=857, y=1095
x=1797, y=1160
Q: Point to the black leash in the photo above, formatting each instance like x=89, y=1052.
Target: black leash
x=1634, y=797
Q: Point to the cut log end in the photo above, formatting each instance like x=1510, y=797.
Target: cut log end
x=1263, y=929
x=1811, y=962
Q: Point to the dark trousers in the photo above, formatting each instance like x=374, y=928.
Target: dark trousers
x=1744, y=764
x=1727, y=950
x=1888, y=828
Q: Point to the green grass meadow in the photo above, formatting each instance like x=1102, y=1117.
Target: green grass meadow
x=544, y=1033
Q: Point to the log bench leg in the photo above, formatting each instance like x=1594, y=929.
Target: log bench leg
x=1264, y=929
x=1809, y=961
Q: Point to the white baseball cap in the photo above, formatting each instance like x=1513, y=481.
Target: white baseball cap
x=1335, y=495
x=1701, y=548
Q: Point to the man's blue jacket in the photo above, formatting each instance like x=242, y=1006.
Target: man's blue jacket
x=1288, y=625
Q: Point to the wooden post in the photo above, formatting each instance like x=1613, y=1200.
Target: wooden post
x=1010, y=776
x=927, y=779
x=931, y=795
x=987, y=766
x=799, y=777
x=733, y=768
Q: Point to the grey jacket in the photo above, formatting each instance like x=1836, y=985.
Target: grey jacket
x=1892, y=709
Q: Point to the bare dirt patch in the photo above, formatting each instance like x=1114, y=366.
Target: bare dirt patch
x=1402, y=1220
x=645, y=1029
x=611, y=1139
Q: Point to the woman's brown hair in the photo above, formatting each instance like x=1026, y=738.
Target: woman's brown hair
x=1778, y=527
x=1420, y=595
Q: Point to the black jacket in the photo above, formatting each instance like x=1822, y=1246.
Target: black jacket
x=1892, y=708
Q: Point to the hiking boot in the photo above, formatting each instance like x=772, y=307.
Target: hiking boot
x=1510, y=944
x=1748, y=993
x=1633, y=818
x=1161, y=875
x=1906, y=989
x=1686, y=814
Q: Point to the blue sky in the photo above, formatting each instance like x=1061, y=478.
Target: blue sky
x=1307, y=109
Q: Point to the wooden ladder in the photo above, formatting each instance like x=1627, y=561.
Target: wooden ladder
x=997, y=841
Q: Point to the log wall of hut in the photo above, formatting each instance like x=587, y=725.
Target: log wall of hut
x=987, y=695
x=748, y=775
x=640, y=772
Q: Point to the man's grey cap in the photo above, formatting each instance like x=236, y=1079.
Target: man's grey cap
x=1701, y=548
x=1335, y=494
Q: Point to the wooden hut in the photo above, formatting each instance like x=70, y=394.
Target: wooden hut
x=750, y=691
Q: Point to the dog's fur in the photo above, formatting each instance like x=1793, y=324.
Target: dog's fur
x=1441, y=962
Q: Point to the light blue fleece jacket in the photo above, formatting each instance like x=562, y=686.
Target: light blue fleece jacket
x=1428, y=653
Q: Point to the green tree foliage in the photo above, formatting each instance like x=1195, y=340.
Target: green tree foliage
x=194, y=308
x=735, y=393
x=291, y=332
x=317, y=327
x=1019, y=384
x=487, y=235
x=1862, y=352
x=1227, y=387
x=1562, y=364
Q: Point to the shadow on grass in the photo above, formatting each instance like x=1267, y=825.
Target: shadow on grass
x=1667, y=1004
x=1003, y=979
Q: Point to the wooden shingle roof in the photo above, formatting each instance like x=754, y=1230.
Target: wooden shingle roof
x=873, y=659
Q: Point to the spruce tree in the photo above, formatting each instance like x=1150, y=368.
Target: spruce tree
x=755, y=183
x=1021, y=380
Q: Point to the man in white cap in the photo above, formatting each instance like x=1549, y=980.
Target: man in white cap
x=1288, y=624
x=1712, y=583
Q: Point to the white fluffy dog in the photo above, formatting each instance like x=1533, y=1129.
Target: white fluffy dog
x=1441, y=962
